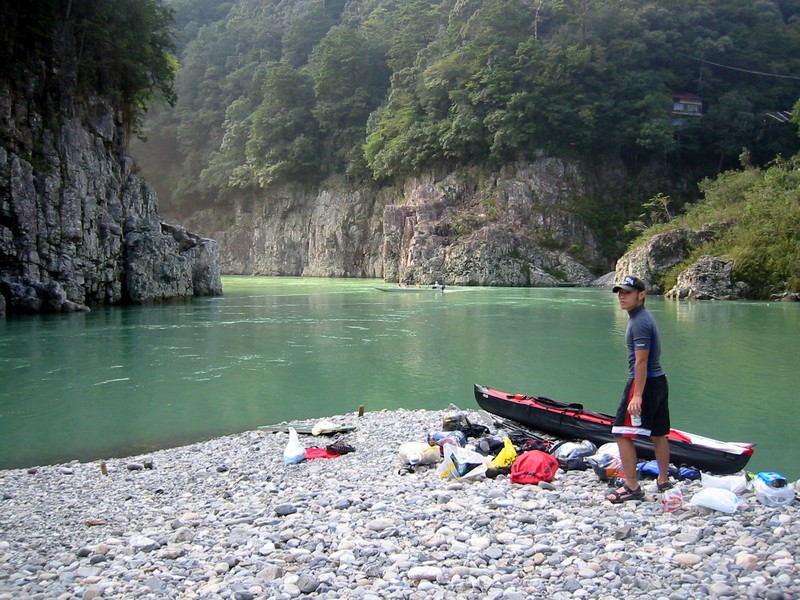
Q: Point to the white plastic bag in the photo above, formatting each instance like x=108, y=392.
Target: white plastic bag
x=462, y=463
x=772, y=496
x=733, y=483
x=717, y=499
x=608, y=448
x=671, y=499
x=294, y=451
x=567, y=450
x=419, y=453
x=606, y=462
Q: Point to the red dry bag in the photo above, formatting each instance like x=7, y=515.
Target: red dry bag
x=534, y=466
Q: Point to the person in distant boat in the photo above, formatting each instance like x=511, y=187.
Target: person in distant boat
x=644, y=407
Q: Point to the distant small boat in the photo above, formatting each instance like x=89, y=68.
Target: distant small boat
x=399, y=288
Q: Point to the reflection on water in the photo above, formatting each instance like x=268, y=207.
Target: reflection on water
x=129, y=380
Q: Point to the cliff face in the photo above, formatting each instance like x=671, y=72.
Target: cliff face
x=330, y=232
x=514, y=228
x=78, y=228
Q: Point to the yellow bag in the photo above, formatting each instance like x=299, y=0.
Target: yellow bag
x=506, y=456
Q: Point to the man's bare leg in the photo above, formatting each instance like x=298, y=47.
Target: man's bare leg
x=627, y=453
x=661, y=446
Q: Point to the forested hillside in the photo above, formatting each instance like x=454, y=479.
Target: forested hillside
x=295, y=90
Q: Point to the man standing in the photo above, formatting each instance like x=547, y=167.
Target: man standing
x=644, y=408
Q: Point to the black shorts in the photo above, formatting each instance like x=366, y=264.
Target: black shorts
x=655, y=410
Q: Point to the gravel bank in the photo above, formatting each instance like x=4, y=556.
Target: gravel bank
x=227, y=519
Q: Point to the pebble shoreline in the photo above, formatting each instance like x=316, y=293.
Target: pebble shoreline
x=226, y=518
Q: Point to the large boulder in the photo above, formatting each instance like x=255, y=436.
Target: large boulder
x=26, y=295
x=505, y=259
x=709, y=278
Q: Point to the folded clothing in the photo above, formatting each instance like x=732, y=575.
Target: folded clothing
x=320, y=453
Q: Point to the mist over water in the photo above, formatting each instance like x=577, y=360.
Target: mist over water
x=124, y=381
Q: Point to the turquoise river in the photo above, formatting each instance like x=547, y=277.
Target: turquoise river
x=123, y=381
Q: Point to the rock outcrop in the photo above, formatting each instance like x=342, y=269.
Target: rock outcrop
x=708, y=278
x=514, y=228
x=659, y=254
x=78, y=228
x=501, y=230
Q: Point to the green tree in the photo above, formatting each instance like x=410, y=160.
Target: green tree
x=283, y=139
x=304, y=31
x=762, y=225
x=350, y=81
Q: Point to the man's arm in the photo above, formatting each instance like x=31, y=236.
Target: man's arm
x=639, y=380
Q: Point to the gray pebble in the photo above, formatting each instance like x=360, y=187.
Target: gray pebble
x=285, y=509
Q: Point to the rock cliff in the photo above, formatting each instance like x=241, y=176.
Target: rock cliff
x=78, y=228
x=517, y=227
x=333, y=231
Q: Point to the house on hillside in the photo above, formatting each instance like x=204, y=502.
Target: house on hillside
x=687, y=105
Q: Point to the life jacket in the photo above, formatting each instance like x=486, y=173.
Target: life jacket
x=534, y=466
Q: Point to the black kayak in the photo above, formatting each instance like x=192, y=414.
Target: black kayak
x=573, y=421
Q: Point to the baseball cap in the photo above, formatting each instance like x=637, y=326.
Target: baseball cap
x=630, y=283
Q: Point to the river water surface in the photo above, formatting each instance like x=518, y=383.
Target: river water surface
x=122, y=381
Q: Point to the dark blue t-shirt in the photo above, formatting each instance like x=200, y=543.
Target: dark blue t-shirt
x=642, y=334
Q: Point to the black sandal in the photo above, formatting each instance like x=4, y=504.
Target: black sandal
x=625, y=494
x=663, y=487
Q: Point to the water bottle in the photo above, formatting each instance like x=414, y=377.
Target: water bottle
x=636, y=420
x=435, y=437
x=459, y=437
x=439, y=438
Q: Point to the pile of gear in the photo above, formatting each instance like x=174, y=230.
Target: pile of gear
x=529, y=457
x=524, y=456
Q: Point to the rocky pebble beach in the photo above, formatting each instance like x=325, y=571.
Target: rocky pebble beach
x=226, y=518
